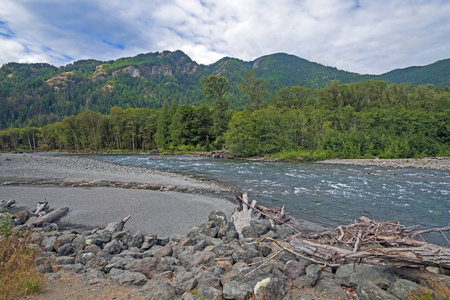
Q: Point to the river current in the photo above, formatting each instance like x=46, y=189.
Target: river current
x=330, y=194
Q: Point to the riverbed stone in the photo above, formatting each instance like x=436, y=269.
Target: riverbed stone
x=293, y=269
x=211, y=293
x=158, y=290
x=249, y=232
x=113, y=247
x=236, y=290
x=403, y=288
x=218, y=218
x=135, y=240
x=79, y=242
x=125, y=277
x=261, y=226
x=330, y=289
x=164, y=251
x=381, y=276
x=370, y=291
x=48, y=243
x=65, y=260
x=313, y=271
x=64, y=239
x=66, y=250
x=269, y=288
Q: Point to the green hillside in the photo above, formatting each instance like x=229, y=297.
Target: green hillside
x=437, y=74
x=39, y=94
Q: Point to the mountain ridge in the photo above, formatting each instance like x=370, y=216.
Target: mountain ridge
x=40, y=93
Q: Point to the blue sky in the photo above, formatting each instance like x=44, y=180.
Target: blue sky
x=359, y=36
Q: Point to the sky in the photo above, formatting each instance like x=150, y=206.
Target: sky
x=365, y=36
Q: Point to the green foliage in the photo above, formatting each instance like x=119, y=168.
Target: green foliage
x=6, y=226
x=34, y=95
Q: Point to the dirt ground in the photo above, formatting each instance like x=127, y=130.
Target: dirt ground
x=70, y=287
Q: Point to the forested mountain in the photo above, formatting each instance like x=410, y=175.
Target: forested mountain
x=436, y=74
x=39, y=94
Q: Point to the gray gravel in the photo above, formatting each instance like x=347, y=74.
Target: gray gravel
x=433, y=163
x=153, y=212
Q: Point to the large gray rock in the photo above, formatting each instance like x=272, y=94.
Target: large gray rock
x=149, y=266
x=293, y=269
x=236, y=290
x=48, y=243
x=113, y=247
x=158, y=290
x=370, y=291
x=65, y=260
x=218, y=218
x=210, y=293
x=283, y=231
x=83, y=257
x=64, y=239
x=313, y=271
x=403, y=288
x=269, y=288
x=79, y=242
x=66, y=250
x=164, y=251
x=249, y=232
x=330, y=289
x=149, y=241
x=381, y=276
x=127, y=277
x=261, y=226
x=135, y=240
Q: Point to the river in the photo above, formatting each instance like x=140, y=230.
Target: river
x=329, y=194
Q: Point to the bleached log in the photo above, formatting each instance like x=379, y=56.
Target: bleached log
x=242, y=218
x=427, y=255
x=4, y=204
x=41, y=208
x=117, y=226
x=50, y=217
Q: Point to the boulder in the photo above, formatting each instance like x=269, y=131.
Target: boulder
x=293, y=269
x=313, y=271
x=210, y=293
x=64, y=239
x=381, y=276
x=249, y=232
x=218, y=218
x=158, y=290
x=269, y=288
x=403, y=288
x=113, y=247
x=79, y=242
x=370, y=291
x=66, y=250
x=127, y=277
x=164, y=251
x=236, y=290
x=330, y=289
x=261, y=226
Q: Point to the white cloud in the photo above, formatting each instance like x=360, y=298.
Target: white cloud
x=361, y=36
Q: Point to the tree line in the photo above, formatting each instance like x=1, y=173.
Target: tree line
x=365, y=119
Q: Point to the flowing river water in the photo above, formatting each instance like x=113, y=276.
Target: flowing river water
x=329, y=194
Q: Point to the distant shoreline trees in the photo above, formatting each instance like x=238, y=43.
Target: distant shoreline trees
x=365, y=119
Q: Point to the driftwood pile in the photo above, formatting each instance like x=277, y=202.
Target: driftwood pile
x=372, y=242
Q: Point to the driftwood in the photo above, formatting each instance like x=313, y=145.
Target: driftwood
x=5, y=204
x=246, y=212
x=50, y=217
x=381, y=243
x=117, y=226
x=41, y=208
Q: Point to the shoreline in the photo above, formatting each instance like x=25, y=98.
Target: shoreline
x=431, y=163
x=98, y=193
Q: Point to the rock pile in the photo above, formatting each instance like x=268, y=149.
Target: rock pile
x=210, y=262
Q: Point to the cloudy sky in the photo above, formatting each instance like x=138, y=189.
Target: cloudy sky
x=366, y=36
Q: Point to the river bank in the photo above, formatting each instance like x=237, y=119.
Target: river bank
x=432, y=163
x=160, y=203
